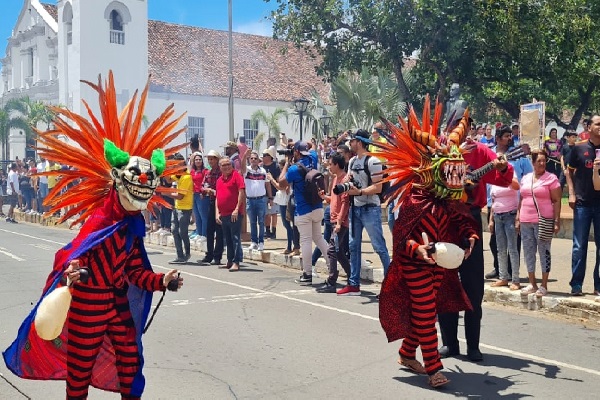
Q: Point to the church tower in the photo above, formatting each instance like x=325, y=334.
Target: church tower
x=95, y=37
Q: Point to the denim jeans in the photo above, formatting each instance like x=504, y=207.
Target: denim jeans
x=391, y=216
x=309, y=227
x=256, y=216
x=326, y=234
x=369, y=218
x=201, y=206
x=338, y=247
x=179, y=228
x=288, y=227
x=232, y=235
x=214, y=235
x=583, y=216
x=506, y=241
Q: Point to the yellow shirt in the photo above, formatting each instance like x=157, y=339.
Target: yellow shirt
x=185, y=183
x=375, y=149
x=52, y=179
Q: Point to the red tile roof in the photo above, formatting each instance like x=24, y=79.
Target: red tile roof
x=52, y=10
x=190, y=60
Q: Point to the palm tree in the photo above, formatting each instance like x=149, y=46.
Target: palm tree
x=12, y=116
x=271, y=121
x=361, y=99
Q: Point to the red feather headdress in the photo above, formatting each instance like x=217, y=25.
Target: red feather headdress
x=87, y=181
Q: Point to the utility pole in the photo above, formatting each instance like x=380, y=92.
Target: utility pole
x=230, y=78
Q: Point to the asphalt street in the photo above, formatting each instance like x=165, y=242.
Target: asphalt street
x=255, y=334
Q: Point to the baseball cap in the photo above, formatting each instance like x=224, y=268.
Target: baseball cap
x=360, y=134
x=302, y=147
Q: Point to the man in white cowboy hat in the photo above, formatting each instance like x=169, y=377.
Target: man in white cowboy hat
x=214, y=231
x=233, y=152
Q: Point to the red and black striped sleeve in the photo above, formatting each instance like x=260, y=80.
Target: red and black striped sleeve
x=141, y=277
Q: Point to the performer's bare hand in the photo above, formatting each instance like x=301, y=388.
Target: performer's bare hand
x=172, y=275
x=72, y=271
x=423, y=255
x=470, y=249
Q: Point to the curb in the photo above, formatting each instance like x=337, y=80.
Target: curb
x=576, y=307
x=368, y=273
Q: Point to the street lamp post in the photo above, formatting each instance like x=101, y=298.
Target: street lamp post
x=325, y=123
x=300, y=105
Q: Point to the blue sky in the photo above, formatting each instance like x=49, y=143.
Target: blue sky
x=248, y=15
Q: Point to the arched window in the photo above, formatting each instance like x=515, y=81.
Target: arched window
x=117, y=14
x=68, y=22
x=116, y=21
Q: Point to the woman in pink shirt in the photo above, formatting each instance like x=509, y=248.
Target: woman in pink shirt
x=505, y=202
x=545, y=187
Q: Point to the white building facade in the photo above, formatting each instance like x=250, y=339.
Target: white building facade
x=53, y=48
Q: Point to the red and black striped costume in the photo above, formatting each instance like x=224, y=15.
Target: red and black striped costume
x=101, y=308
x=414, y=291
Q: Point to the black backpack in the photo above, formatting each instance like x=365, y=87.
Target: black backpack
x=314, y=183
x=385, y=187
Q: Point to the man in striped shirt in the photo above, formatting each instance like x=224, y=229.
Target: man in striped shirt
x=258, y=194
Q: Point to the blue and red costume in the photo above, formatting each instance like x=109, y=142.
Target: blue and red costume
x=101, y=341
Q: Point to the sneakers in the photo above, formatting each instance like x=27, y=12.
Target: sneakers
x=529, y=289
x=193, y=236
x=216, y=262
x=493, y=274
x=349, y=290
x=576, y=291
x=11, y=220
x=304, y=279
x=326, y=288
x=261, y=247
x=178, y=261
x=253, y=246
x=204, y=261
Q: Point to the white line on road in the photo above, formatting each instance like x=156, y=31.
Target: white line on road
x=32, y=237
x=11, y=255
x=370, y=318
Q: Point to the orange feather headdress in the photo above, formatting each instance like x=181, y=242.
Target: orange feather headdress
x=85, y=177
x=415, y=151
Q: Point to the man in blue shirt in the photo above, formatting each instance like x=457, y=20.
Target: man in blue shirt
x=307, y=217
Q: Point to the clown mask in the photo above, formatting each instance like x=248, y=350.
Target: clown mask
x=135, y=183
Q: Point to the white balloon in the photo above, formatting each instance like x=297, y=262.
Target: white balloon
x=52, y=313
x=448, y=255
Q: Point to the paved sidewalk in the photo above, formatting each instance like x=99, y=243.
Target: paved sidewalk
x=558, y=298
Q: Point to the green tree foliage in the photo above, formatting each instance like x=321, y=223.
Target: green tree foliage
x=502, y=51
x=12, y=116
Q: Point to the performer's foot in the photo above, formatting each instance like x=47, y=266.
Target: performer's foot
x=412, y=364
x=449, y=351
x=474, y=355
x=438, y=379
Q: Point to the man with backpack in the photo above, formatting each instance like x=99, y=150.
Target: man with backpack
x=365, y=209
x=301, y=172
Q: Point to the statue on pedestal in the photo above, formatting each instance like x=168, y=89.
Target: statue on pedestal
x=454, y=104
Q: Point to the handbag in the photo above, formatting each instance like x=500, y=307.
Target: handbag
x=545, y=225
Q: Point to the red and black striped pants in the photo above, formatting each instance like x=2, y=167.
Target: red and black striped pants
x=95, y=314
x=423, y=284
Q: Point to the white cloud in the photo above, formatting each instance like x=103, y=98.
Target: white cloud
x=262, y=28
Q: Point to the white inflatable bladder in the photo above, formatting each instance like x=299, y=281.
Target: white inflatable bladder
x=448, y=255
x=52, y=313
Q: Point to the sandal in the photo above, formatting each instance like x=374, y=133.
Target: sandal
x=412, y=365
x=438, y=379
x=515, y=286
x=529, y=289
x=541, y=292
x=500, y=283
